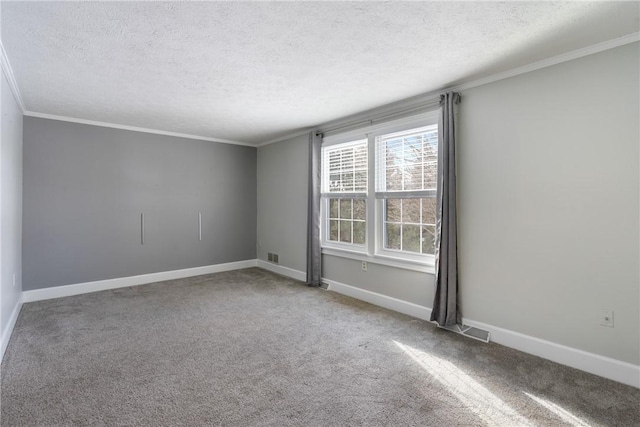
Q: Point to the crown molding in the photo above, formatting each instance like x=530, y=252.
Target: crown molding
x=415, y=105
x=554, y=60
x=8, y=72
x=425, y=101
x=406, y=106
x=134, y=128
x=11, y=78
x=429, y=100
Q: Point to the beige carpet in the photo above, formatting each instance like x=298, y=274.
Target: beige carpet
x=250, y=348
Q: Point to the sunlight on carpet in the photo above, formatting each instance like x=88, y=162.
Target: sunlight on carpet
x=558, y=410
x=486, y=405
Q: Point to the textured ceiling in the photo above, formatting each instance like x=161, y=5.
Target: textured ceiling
x=251, y=71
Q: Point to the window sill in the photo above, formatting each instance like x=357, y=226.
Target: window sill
x=390, y=261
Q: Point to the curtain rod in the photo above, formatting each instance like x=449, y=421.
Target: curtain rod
x=382, y=117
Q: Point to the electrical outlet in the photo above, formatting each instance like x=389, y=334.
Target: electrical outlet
x=14, y=280
x=270, y=256
x=606, y=318
x=275, y=258
x=364, y=265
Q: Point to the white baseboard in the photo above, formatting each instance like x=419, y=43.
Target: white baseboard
x=123, y=282
x=613, y=369
x=380, y=300
x=603, y=366
x=284, y=271
x=607, y=367
x=8, y=330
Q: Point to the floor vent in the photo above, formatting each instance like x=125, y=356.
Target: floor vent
x=324, y=285
x=469, y=331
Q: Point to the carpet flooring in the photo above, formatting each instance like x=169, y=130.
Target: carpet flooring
x=249, y=347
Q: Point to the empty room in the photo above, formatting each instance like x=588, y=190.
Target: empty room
x=303, y=213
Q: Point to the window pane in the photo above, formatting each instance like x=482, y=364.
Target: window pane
x=413, y=147
x=359, y=232
x=345, y=168
x=394, y=178
x=345, y=209
x=345, y=231
x=341, y=225
x=393, y=210
x=431, y=175
x=333, y=230
x=428, y=239
x=411, y=238
x=430, y=152
x=334, y=181
x=413, y=176
x=360, y=180
x=405, y=226
x=429, y=210
x=411, y=211
x=333, y=208
x=360, y=209
x=347, y=182
x=393, y=236
x=407, y=160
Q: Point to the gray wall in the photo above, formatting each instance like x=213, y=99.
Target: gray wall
x=86, y=186
x=549, y=206
x=549, y=201
x=282, y=202
x=406, y=285
x=11, y=209
x=282, y=226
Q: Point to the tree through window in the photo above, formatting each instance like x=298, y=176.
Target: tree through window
x=379, y=192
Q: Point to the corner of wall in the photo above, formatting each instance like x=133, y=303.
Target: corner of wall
x=11, y=141
x=8, y=329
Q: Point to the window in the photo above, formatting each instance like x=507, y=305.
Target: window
x=379, y=192
x=344, y=185
x=406, y=178
x=347, y=221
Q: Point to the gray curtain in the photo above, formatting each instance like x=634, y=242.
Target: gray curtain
x=314, y=256
x=445, y=304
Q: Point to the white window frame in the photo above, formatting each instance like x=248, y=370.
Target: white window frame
x=326, y=196
x=373, y=250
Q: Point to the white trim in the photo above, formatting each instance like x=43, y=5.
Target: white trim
x=596, y=364
x=285, y=137
x=134, y=128
x=283, y=271
x=8, y=330
x=123, y=282
x=554, y=60
x=426, y=101
x=380, y=300
x=373, y=250
x=417, y=120
x=603, y=366
x=11, y=78
x=409, y=106
x=389, y=261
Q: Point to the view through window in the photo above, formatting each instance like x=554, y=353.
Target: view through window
x=393, y=214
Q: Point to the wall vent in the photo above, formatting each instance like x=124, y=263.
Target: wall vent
x=469, y=331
